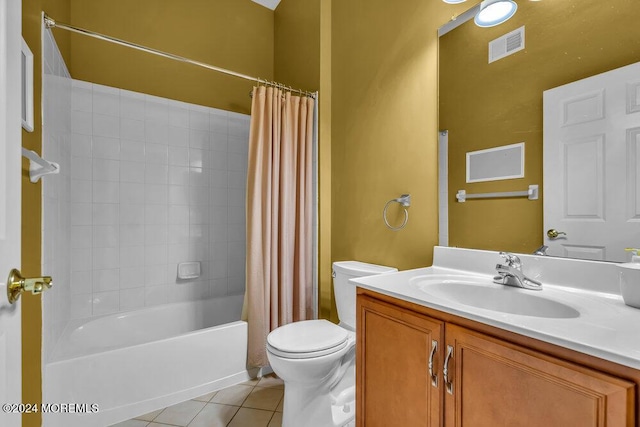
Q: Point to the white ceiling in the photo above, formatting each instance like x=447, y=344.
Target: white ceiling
x=271, y=4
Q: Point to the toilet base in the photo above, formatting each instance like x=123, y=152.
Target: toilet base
x=313, y=407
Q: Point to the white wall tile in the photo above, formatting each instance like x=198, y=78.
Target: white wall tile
x=218, y=160
x=155, y=295
x=132, y=214
x=131, y=235
x=106, y=101
x=155, y=194
x=156, y=109
x=199, y=139
x=131, y=299
x=218, y=141
x=131, y=193
x=106, y=236
x=132, y=151
x=178, y=175
x=132, y=172
x=106, y=302
x=80, y=145
x=106, y=170
x=132, y=277
x=179, y=115
x=132, y=105
x=152, y=183
x=106, y=192
x=178, y=214
x=131, y=256
x=106, y=148
x=178, y=156
x=199, y=119
x=108, y=126
x=156, y=174
x=81, y=306
x=178, y=136
x=81, y=236
x=156, y=132
x=156, y=153
x=81, y=282
x=106, y=280
x=81, y=191
x=81, y=214
x=105, y=213
x=81, y=259
x=218, y=121
x=82, y=122
x=82, y=99
x=105, y=258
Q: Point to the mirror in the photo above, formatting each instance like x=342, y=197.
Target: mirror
x=484, y=105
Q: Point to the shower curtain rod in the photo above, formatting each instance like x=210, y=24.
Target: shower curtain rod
x=52, y=23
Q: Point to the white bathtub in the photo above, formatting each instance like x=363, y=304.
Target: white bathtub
x=136, y=362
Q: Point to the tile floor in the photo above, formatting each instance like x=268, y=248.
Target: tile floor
x=255, y=403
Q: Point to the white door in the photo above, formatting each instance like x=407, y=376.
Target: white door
x=591, y=153
x=10, y=205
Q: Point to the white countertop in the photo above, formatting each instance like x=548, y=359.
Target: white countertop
x=605, y=328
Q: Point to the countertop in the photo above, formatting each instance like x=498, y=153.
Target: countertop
x=605, y=327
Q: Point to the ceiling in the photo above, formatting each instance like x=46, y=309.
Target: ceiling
x=271, y=4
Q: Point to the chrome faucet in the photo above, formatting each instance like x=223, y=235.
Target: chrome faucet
x=542, y=250
x=510, y=274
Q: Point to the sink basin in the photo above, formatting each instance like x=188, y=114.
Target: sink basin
x=482, y=293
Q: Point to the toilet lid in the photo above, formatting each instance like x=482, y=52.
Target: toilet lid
x=308, y=336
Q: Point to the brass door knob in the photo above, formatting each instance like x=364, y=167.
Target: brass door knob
x=552, y=233
x=17, y=284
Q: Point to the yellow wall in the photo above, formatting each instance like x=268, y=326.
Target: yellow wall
x=487, y=105
x=303, y=60
x=232, y=34
x=31, y=206
x=297, y=44
x=384, y=128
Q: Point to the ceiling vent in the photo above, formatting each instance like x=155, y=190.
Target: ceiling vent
x=506, y=45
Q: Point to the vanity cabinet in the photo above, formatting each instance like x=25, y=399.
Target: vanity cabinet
x=489, y=381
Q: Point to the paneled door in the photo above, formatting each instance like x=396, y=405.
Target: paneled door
x=10, y=207
x=591, y=153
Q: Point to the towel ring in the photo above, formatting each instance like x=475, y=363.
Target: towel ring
x=405, y=201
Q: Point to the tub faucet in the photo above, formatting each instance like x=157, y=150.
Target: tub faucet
x=510, y=274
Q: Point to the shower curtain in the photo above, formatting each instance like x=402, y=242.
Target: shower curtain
x=279, y=204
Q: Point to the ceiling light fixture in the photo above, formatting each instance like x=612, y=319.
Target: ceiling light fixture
x=454, y=1
x=495, y=12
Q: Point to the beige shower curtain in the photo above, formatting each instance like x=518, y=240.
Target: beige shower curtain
x=279, y=203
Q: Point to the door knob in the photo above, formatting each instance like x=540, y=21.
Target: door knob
x=16, y=285
x=552, y=233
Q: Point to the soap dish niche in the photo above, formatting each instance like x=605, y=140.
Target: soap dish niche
x=189, y=270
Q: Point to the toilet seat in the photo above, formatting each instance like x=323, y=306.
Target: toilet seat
x=307, y=339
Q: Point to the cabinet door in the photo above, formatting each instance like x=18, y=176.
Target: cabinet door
x=500, y=384
x=394, y=386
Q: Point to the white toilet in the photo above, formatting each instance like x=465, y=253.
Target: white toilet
x=316, y=358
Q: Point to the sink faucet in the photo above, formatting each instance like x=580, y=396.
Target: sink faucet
x=510, y=274
x=542, y=250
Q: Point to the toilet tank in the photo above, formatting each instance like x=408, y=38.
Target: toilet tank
x=345, y=292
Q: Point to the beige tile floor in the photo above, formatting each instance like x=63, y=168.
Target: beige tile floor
x=255, y=403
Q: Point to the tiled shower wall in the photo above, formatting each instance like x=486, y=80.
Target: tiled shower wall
x=56, y=192
x=154, y=183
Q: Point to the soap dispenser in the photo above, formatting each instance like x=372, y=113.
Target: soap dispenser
x=630, y=279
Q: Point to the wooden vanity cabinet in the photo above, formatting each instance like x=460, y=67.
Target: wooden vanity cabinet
x=494, y=382
x=392, y=367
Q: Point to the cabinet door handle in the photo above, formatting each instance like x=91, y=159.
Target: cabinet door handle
x=445, y=371
x=434, y=377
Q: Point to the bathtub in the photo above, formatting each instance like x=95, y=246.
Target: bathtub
x=136, y=362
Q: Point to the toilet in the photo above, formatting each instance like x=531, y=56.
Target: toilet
x=316, y=358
